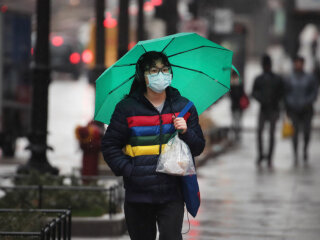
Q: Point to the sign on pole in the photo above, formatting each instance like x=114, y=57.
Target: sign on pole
x=223, y=20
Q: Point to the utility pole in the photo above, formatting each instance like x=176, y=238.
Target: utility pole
x=39, y=112
x=171, y=16
x=123, y=34
x=100, y=37
x=140, y=20
x=100, y=42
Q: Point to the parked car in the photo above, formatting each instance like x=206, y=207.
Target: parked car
x=65, y=55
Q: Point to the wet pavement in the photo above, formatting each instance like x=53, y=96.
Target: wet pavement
x=243, y=202
x=239, y=201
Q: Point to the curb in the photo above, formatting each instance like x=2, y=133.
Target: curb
x=94, y=227
x=220, y=142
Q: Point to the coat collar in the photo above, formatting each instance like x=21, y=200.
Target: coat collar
x=172, y=95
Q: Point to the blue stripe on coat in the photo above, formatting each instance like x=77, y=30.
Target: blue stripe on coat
x=152, y=130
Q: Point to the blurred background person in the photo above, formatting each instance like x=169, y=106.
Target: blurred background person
x=301, y=90
x=239, y=102
x=268, y=91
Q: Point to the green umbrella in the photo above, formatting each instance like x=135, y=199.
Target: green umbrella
x=201, y=72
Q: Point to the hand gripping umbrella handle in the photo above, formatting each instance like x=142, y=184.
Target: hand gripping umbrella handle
x=182, y=113
x=185, y=109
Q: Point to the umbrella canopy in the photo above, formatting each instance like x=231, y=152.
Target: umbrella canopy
x=201, y=72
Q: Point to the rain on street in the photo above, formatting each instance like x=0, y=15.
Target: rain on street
x=238, y=200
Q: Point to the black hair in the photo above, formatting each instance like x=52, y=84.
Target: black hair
x=298, y=58
x=266, y=61
x=146, y=61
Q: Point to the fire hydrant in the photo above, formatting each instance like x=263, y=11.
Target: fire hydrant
x=90, y=141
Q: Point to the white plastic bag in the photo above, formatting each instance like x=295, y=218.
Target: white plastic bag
x=176, y=158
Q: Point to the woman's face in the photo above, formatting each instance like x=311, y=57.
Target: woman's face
x=153, y=69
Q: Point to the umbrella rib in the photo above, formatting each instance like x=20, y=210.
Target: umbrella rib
x=196, y=49
x=125, y=65
x=121, y=84
x=167, y=45
x=201, y=73
x=143, y=48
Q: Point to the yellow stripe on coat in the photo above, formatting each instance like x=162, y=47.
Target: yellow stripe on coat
x=142, y=150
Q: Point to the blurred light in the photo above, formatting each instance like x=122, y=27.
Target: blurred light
x=156, y=3
x=57, y=41
x=133, y=10
x=74, y=58
x=131, y=45
x=31, y=51
x=74, y=2
x=194, y=232
x=148, y=7
x=4, y=8
x=110, y=22
x=87, y=56
x=194, y=222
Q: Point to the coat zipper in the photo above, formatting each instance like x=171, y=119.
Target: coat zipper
x=160, y=137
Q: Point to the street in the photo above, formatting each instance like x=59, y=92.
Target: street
x=227, y=57
x=238, y=200
x=241, y=202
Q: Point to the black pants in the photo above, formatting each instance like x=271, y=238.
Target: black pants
x=271, y=118
x=301, y=121
x=142, y=218
x=236, y=122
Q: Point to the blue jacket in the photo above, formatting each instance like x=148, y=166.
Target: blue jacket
x=301, y=91
x=134, y=139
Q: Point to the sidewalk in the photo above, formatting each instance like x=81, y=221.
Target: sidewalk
x=239, y=202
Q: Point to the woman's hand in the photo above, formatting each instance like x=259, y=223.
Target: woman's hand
x=180, y=124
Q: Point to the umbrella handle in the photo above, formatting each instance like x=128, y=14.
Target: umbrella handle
x=236, y=70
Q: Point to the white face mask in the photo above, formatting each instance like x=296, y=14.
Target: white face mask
x=159, y=82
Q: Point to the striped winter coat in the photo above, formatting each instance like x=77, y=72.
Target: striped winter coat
x=134, y=139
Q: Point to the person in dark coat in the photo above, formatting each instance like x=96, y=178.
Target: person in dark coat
x=140, y=127
x=301, y=92
x=268, y=90
x=236, y=93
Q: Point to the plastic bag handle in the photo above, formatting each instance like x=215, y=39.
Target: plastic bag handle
x=185, y=109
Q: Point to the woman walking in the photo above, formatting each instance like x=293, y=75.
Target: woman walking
x=140, y=127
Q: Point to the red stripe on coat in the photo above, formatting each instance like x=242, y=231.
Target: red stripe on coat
x=138, y=121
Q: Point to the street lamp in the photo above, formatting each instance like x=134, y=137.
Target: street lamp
x=39, y=112
x=123, y=35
